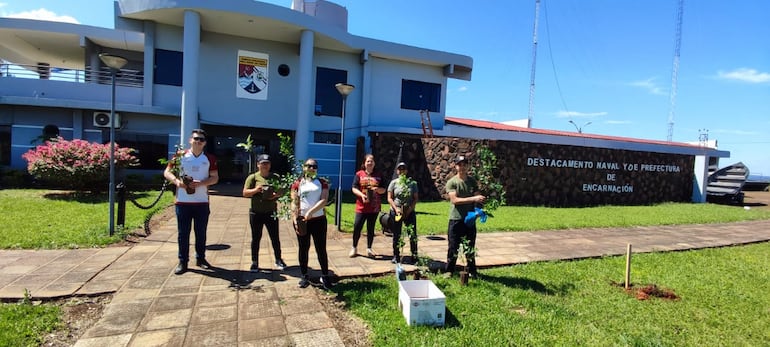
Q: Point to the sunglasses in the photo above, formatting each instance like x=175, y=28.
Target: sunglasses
x=199, y=139
x=311, y=166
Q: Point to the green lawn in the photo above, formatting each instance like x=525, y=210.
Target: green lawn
x=432, y=216
x=722, y=301
x=42, y=219
x=723, y=291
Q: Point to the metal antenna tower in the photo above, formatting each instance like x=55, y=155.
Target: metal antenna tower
x=531, y=113
x=675, y=69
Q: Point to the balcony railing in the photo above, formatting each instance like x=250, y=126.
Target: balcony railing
x=124, y=77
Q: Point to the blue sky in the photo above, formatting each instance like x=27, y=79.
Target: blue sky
x=605, y=62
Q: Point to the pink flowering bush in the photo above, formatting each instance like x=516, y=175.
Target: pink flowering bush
x=76, y=164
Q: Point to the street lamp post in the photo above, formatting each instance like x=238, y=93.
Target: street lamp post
x=344, y=89
x=115, y=63
x=580, y=129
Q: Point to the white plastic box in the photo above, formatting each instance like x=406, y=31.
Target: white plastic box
x=422, y=303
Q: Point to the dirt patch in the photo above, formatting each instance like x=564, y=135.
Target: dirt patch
x=648, y=291
x=78, y=314
x=353, y=331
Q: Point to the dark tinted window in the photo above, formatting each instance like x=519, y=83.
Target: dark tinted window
x=328, y=101
x=149, y=148
x=168, y=67
x=5, y=145
x=416, y=95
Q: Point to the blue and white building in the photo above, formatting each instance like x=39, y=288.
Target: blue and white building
x=237, y=68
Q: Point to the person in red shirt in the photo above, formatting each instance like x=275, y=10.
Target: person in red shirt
x=367, y=187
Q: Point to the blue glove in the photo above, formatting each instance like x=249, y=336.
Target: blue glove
x=481, y=214
x=470, y=219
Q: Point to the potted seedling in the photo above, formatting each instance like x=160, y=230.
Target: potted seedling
x=465, y=252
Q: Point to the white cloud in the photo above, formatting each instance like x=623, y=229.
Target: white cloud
x=568, y=114
x=42, y=14
x=650, y=85
x=462, y=89
x=745, y=75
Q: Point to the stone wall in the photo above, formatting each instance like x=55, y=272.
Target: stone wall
x=544, y=174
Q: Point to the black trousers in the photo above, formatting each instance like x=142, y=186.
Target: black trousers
x=316, y=228
x=358, y=225
x=257, y=221
x=456, y=231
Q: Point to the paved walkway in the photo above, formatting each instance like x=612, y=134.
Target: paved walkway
x=229, y=306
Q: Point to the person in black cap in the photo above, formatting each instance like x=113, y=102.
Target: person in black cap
x=464, y=195
x=263, y=211
x=402, y=197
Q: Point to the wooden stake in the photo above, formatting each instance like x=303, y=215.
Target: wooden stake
x=628, y=266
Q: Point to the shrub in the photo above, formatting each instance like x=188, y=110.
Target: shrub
x=76, y=164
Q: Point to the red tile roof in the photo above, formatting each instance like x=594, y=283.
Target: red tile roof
x=500, y=126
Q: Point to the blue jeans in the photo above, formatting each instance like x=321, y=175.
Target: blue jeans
x=187, y=216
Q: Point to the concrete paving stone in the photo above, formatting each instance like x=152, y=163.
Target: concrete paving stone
x=150, y=272
x=258, y=294
x=219, y=334
x=167, y=303
x=16, y=292
x=278, y=341
x=160, y=338
x=166, y=319
x=319, y=338
x=56, y=267
x=19, y=269
x=145, y=282
x=209, y=315
x=76, y=276
x=6, y=279
x=166, y=291
x=259, y=309
x=261, y=328
x=183, y=281
x=112, y=341
x=301, y=304
x=130, y=295
x=58, y=289
x=100, y=287
x=114, y=274
x=217, y=299
x=118, y=319
x=314, y=320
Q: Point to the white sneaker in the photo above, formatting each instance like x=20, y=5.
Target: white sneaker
x=352, y=253
x=370, y=253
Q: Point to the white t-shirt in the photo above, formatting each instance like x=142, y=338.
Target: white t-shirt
x=198, y=168
x=309, y=192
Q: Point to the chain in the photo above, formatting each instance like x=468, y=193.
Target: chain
x=162, y=190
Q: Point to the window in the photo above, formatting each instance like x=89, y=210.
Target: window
x=5, y=145
x=321, y=137
x=416, y=95
x=149, y=148
x=168, y=67
x=328, y=101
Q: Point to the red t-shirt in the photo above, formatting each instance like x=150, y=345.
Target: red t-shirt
x=364, y=181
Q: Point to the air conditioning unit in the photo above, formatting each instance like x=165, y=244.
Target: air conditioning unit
x=102, y=120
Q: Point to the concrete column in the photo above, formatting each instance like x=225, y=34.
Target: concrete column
x=149, y=63
x=700, y=181
x=191, y=51
x=305, y=107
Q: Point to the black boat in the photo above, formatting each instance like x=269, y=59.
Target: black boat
x=726, y=184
